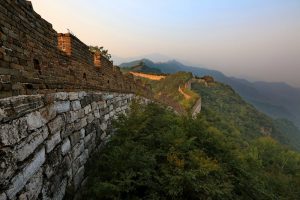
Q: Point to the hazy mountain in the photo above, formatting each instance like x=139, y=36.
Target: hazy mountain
x=278, y=100
x=155, y=57
x=142, y=67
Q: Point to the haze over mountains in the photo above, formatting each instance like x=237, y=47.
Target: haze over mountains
x=276, y=99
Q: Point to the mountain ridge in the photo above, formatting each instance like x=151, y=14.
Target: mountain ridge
x=278, y=100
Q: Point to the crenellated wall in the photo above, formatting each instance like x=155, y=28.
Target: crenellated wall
x=57, y=101
x=46, y=140
x=35, y=59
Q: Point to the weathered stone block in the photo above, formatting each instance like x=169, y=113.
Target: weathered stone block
x=28, y=146
x=57, y=124
x=76, y=105
x=61, y=96
x=66, y=146
x=33, y=187
x=101, y=104
x=94, y=105
x=48, y=112
x=2, y=114
x=35, y=120
x=53, y=141
x=103, y=126
x=60, y=193
x=78, y=177
x=87, y=139
x=81, y=123
x=24, y=104
x=78, y=149
x=82, y=133
x=111, y=107
x=19, y=181
x=112, y=113
x=3, y=196
x=106, y=117
x=87, y=109
x=62, y=106
x=73, y=96
x=90, y=118
x=83, y=158
x=70, y=128
x=75, y=138
x=81, y=94
x=97, y=114
x=13, y=132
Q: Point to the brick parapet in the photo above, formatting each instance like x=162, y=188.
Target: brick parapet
x=34, y=58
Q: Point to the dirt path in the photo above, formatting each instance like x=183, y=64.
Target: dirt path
x=186, y=96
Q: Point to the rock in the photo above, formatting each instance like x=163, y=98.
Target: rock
x=28, y=146
x=53, y=141
x=87, y=109
x=19, y=181
x=3, y=196
x=13, y=132
x=81, y=94
x=94, y=106
x=81, y=123
x=87, y=138
x=2, y=115
x=73, y=96
x=61, y=96
x=75, y=138
x=62, y=106
x=82, y=133
x=78, y=149
x=106, y=117
x=112, y=113
x=83, y=158
x=35, y=120
x=66, y=146
x=97, y=114
x=76, y=105
x=48, y=112
x=60, y=193
x=78, y=177
x=25, y=104
x=90, y=118
x=70, y=128
x=57, y=124
x=103, y=126
x=33, y=187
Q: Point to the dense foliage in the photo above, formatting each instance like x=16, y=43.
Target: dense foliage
x=156, y=154
x=230, y=107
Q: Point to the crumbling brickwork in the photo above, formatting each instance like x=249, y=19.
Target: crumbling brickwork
x=35, y=59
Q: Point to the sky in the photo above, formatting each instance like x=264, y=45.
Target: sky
x=254, y=39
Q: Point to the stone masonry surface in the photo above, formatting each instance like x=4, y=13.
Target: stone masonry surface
x=46, y=139
x=35, y=59
x=57, y=102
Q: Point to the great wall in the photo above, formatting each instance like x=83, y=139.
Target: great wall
x=57, y=102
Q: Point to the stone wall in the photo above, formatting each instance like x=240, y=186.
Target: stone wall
x=46, y=140
x=35, y=59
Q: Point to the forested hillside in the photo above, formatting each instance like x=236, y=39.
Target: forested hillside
x=277, y=100
x=248, y=121
x=156, y=154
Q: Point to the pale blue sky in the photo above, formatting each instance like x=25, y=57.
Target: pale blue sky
x=259, y=39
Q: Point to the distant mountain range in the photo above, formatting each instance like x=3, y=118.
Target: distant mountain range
x=279, y=100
